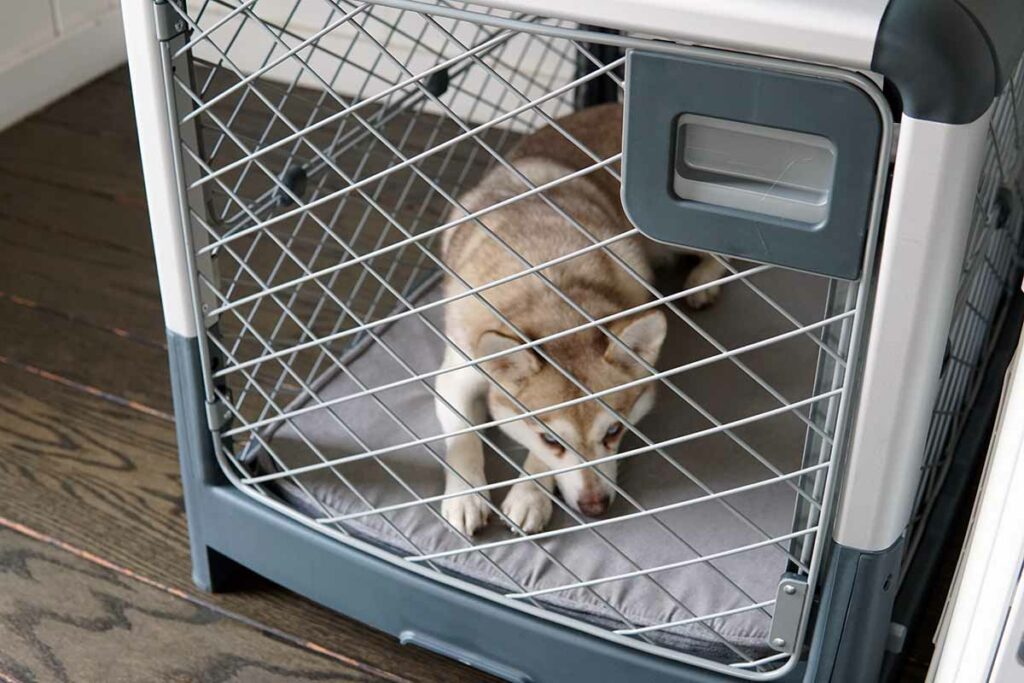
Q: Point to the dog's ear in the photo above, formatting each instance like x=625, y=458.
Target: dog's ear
x=644, y=333
x=518, y=365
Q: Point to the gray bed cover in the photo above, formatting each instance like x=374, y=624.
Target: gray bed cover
x=716, y=462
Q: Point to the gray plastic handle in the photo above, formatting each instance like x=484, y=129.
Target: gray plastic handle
x=755, y=168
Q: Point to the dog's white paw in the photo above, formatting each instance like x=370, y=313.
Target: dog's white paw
x=468, y=513
x=527, y=506
x=705, y=297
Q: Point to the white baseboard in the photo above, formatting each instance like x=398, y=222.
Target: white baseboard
x=59, y=66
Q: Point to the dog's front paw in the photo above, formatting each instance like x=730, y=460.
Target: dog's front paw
x=705, y=297
x=467, y=513
x=527, y=506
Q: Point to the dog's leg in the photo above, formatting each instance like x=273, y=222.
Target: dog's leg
x=464, y=390
x=528, y=503
x=708, y=269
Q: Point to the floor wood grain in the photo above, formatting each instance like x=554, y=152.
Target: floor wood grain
x=104, y=626
x=89, y=458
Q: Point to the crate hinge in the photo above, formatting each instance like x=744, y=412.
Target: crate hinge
x=790, y=602
x=217, y=415
x=169, y=22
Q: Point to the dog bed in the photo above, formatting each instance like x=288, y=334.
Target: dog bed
x=716, y=461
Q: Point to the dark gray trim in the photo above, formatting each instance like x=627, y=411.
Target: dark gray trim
x=199, y=468
x=854, y=615
x=662, y=87
x=955, y=498
x=948, y=59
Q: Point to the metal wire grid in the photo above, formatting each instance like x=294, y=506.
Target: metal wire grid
x=991, y=271
x=323, y=211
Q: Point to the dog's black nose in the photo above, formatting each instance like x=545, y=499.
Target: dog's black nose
x=594, y=505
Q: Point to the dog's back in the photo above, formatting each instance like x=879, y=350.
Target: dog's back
x=534, y=230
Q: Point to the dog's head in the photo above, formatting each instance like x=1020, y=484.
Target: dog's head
x=583, y=431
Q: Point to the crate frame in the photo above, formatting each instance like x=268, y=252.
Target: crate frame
x=855, y=302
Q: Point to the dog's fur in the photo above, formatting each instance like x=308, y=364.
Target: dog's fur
x=593, y=281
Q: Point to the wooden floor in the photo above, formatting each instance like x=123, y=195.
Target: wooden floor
x=94, y=567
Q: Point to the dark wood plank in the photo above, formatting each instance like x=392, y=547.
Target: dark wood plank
x=105, y=478
x=63, y=618
x=66, y=158
x=83, y=254
x=116, y=222
x=129, y=371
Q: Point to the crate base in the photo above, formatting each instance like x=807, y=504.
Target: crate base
x=505, y=642
x=229, y=531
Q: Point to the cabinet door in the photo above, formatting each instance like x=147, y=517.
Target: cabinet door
x=72, y=14
x=27, y=26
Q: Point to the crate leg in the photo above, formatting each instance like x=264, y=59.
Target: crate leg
x=854, y=615
x=213, y=572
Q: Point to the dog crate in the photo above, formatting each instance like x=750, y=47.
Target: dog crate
x=855, y=170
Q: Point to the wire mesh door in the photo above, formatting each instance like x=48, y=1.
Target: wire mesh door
x=336, y=151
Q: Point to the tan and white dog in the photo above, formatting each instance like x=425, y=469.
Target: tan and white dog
x=593, y=281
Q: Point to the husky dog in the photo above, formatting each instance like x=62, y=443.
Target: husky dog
x=593, y=281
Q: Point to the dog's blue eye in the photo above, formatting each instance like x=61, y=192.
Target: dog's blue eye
x=614, y=429
x=549, y=439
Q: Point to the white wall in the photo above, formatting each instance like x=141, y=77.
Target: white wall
x=50, y=47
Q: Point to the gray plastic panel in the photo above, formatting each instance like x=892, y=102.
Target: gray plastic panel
x=754, y=168
x=835, y=119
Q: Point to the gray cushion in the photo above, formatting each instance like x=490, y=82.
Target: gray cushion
x=740, y=317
